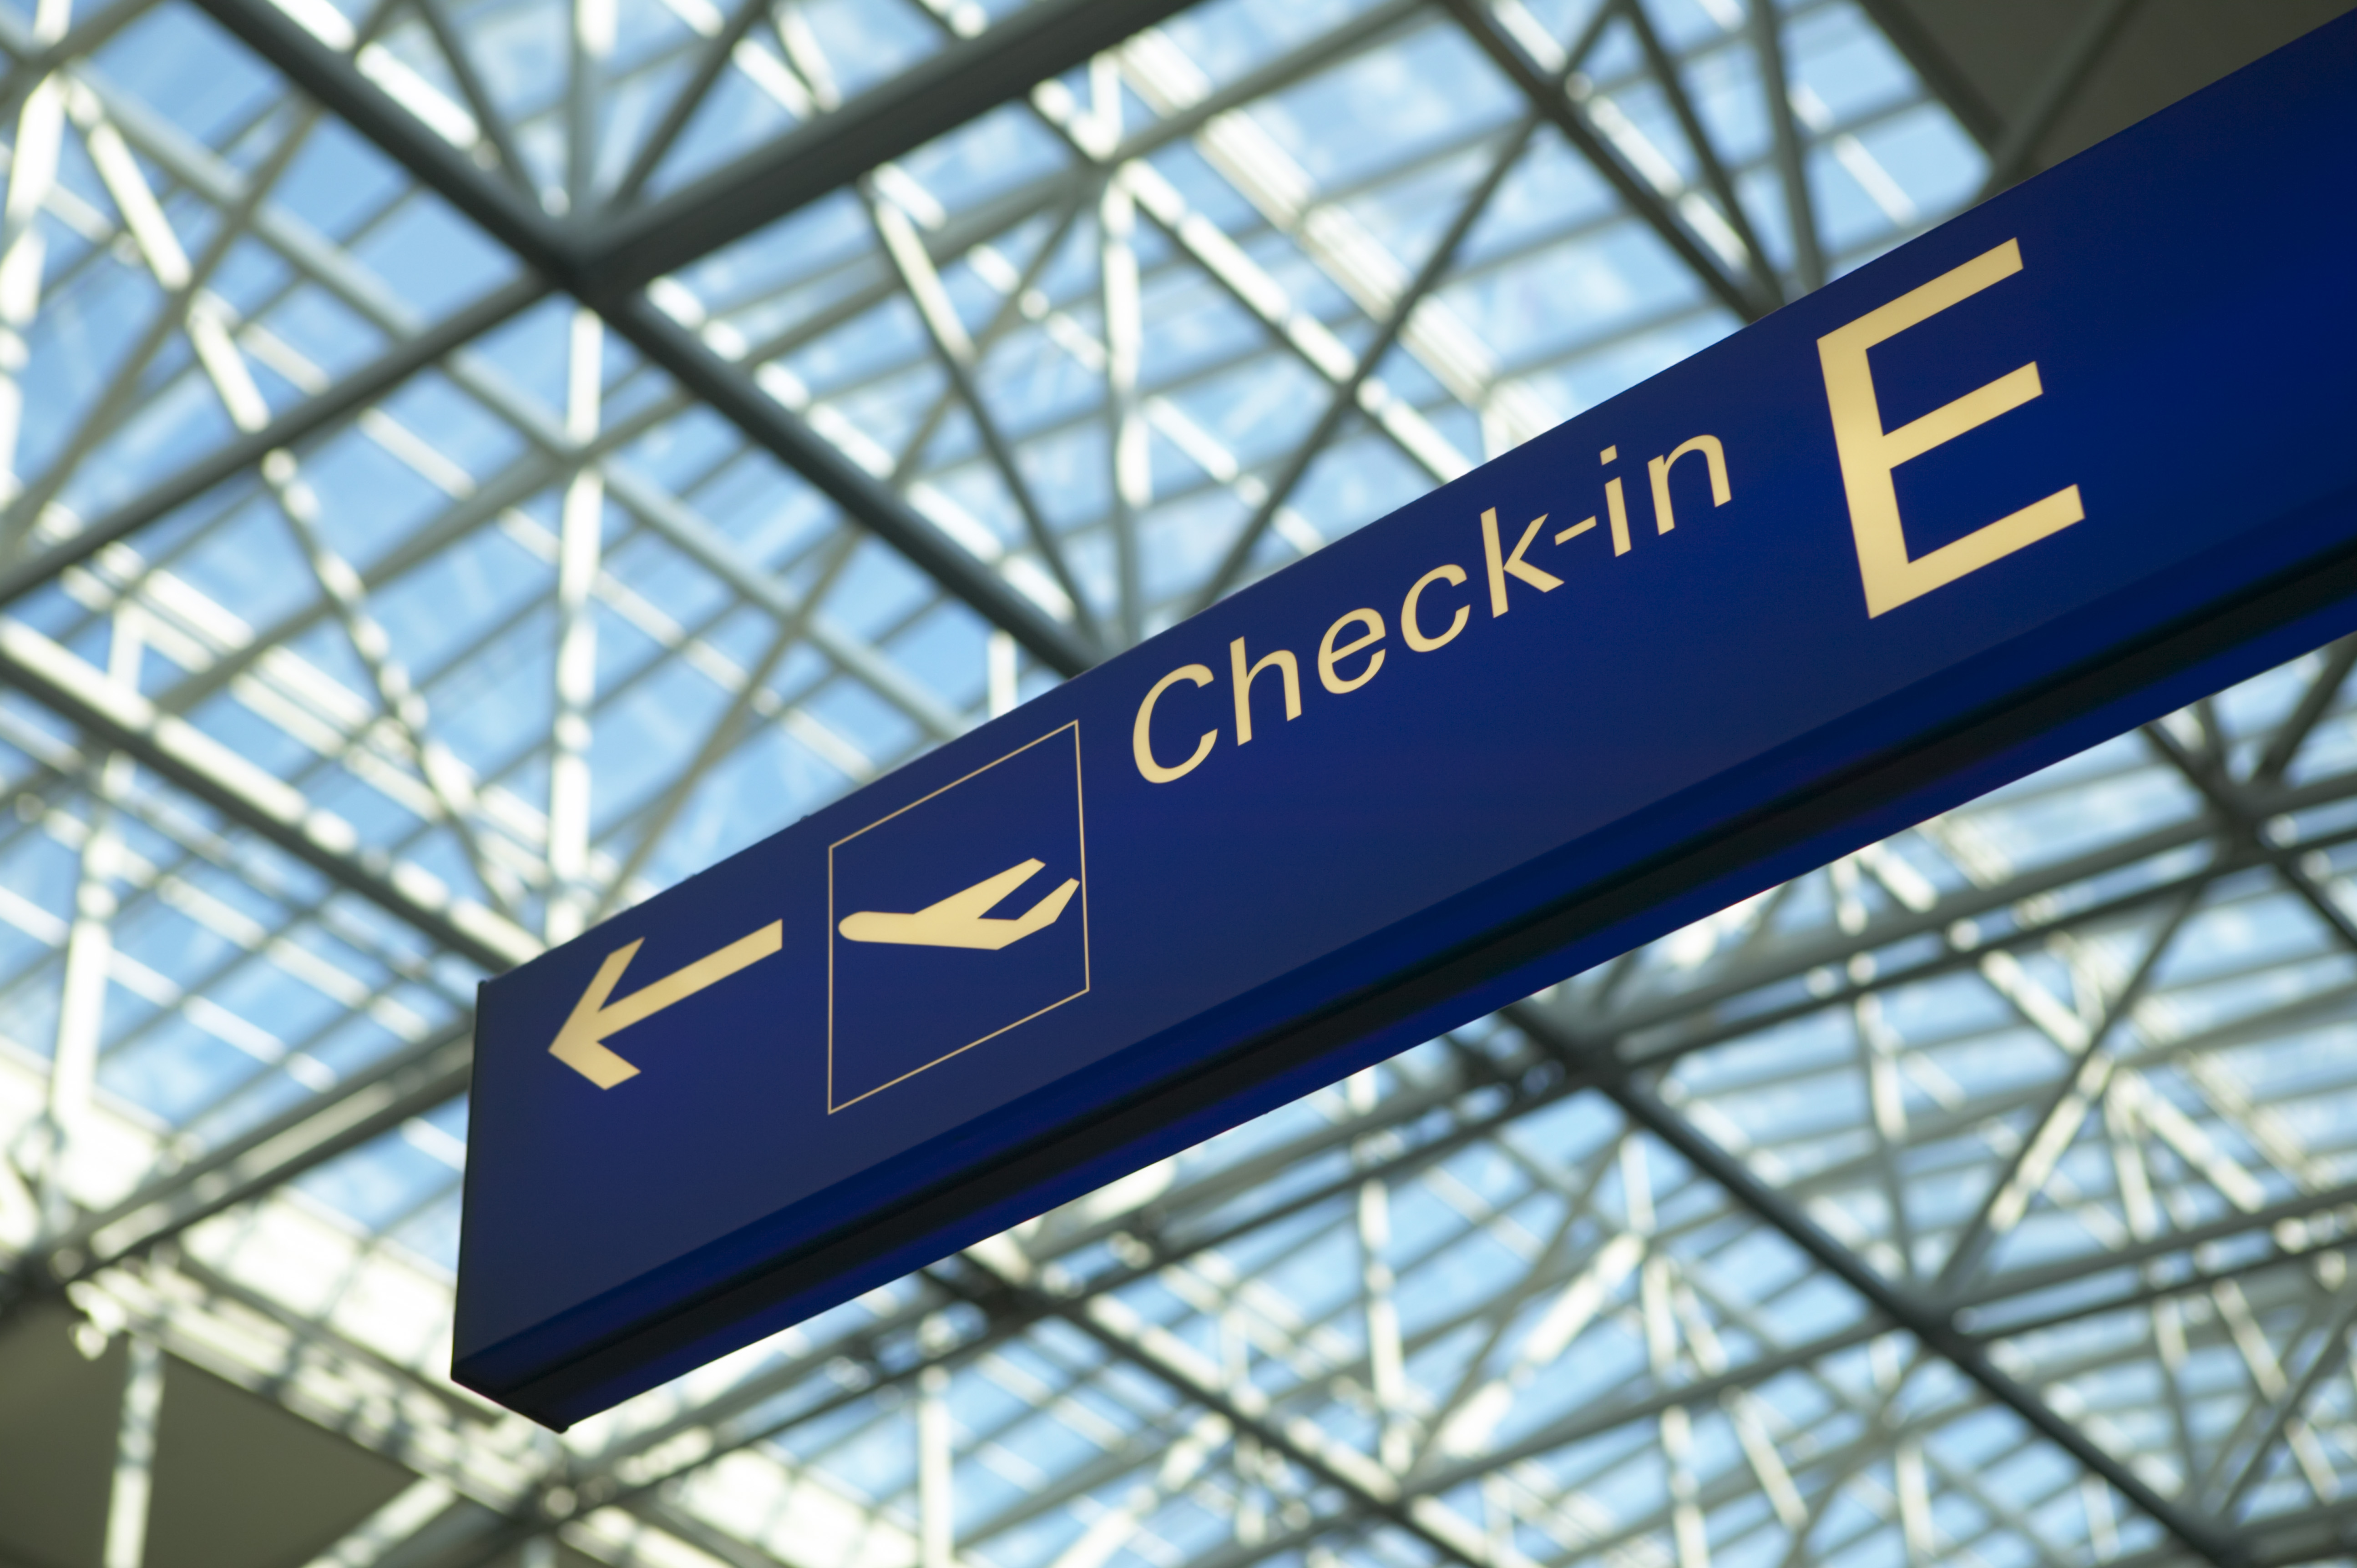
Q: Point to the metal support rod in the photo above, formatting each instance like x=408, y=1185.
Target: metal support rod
x=408, y=1511
x=1935, y=1328
x=936, y=1536
x=134, y=1485
x=2075, y=1095
x=689, y=98
x=609, y=272
x=961, y=360
x=769, y=423
x=2293, y=733
x=2184, y=1282
x=408, y=1083
x=2331, y=1351
x=2003, y=899
x=2010, y=157
x=1901, y=23
x=724, y=732
x=90, y=949
x=171, y=749
x=1007, y=1276
x=1130, y=450
x=504, y=212
x=2211, y=780
x=289, y=430
x=1665, y=71
x=184, y=281
x=1792, y=156
x=1343, y=399
x=488, y=118
x=961, y=83
x=1550, y=100
x=581, y=530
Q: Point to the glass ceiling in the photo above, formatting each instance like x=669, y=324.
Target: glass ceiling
x=434, y=523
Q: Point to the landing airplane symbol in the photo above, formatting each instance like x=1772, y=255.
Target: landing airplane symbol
x=957, y=921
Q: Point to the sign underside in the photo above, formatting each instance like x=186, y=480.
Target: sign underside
x=2066, y=462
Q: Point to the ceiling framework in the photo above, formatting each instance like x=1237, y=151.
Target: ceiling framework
x=471, y=462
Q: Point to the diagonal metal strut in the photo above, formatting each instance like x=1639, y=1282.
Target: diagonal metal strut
x=1934, y=1328
x=608, y=267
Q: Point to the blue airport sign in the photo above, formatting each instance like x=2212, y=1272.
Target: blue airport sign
x=2063, y=463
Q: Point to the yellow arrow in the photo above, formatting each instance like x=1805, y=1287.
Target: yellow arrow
x=581, y=1044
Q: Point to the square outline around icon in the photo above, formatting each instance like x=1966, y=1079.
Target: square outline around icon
x=1080, y=811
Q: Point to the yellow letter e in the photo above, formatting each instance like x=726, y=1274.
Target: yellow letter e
x=1869, y=453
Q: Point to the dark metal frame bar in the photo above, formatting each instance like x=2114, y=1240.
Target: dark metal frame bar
x=608, y=267
x=1937, y=1330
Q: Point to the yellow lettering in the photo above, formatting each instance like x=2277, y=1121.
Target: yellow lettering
x=1290, y=672
x=1328, y=656
x=1415, y=633
x=1714, y=456
x=1617, y=508
x=1504, y=567
x=1141, y=742
x=1869, y=453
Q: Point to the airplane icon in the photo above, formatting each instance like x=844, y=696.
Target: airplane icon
x=958, y=920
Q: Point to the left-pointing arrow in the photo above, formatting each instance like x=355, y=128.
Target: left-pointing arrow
x=581, y=1044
